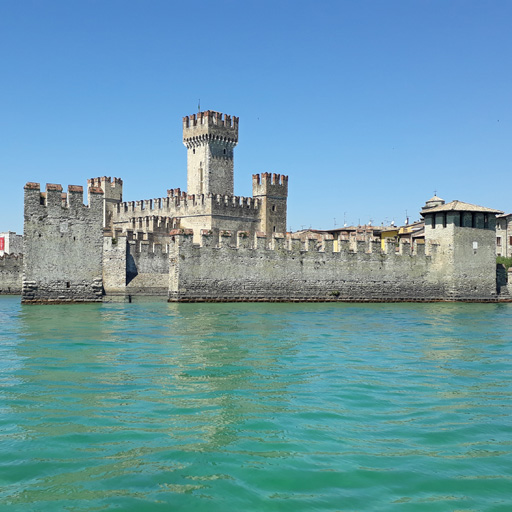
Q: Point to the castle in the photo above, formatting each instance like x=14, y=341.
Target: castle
x=207, y=244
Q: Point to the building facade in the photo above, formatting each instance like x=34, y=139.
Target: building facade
x=504, y=235
x=11, y=263
x=11, y=243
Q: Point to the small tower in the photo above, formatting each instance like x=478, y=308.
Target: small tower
x=112, y=195
x=272, y=191
x=210, y=138
x=461, y=238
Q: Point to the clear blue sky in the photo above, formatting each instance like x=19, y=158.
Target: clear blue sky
x=368, y=106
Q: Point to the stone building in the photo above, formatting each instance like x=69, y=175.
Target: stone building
x=11, y=243
x=504, y=235
x=11, y=262
x=207, y=244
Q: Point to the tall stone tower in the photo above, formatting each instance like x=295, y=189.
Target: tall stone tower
x=210, y=138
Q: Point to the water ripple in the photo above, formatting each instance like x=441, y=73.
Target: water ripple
x=349, y=407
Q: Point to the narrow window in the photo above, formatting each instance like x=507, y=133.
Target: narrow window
x=224, y=151
x=444, y=219
x=510, y=241
x=473, y=223
x=67, y=285
x=434, y=221
x=461, y=219
x=498, y=241
x=273, y=207
x=274, y=229
x=194, y=151
x=486, y=221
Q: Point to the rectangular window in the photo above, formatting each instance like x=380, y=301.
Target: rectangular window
x=510, y=241
x=473, y=223
x=433, y=221
x=486, y=221
x=444, y=219
x=498, y=241
x=461, y=219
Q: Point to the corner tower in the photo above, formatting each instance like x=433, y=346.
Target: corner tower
x=272, y=191
x=112, y=195
x=463, y=238
x=210, y=138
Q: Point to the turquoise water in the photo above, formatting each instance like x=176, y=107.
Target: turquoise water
x=271, y=407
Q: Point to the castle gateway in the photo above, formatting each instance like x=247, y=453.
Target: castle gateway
x=207, y=244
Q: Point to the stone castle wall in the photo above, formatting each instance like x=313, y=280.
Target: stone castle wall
x=205, y=211
x=63, y=244
x=282, y=269
x=147, y=268
x=11, y=272
x=138, y=267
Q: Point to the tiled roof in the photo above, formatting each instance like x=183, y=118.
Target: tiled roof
x=460, y=206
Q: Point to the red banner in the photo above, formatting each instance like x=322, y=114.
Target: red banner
x=2, y=243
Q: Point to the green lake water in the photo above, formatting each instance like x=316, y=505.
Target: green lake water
x=268, y=407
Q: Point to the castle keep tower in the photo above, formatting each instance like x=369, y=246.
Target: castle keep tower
x=210, y=138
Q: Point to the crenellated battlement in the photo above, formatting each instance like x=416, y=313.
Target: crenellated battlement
x=151, y=224
x=146, y=247
x=103, y=181
x=210, y=127
x=270, y=184
x=291, y=242
x=178, y=201
x=270, y=179
x=112, y=187
x=210, y=118
x=176, y=192
x=53, y=197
